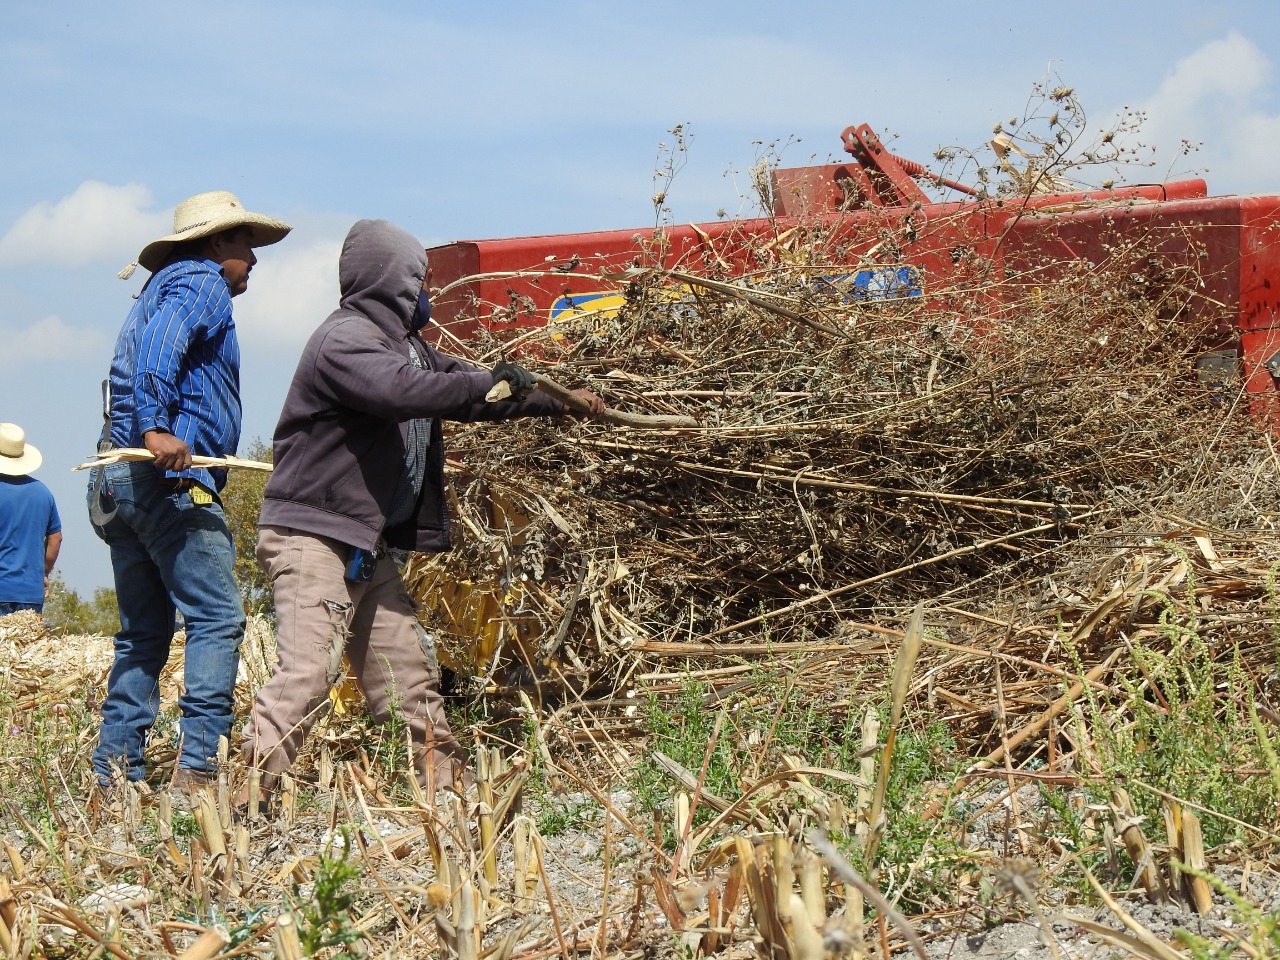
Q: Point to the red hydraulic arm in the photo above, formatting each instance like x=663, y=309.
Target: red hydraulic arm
x=875, y=178
x=890, y=177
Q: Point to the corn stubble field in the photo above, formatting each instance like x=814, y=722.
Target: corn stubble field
x=951, y=630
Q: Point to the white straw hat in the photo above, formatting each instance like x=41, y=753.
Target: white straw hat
x=205, y=214
x=17, y=457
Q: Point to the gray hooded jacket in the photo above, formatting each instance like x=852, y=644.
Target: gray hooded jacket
x=339, y=447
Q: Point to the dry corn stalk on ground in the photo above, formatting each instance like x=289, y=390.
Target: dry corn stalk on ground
x=610, y=891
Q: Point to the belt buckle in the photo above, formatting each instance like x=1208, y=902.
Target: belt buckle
x=184, y=485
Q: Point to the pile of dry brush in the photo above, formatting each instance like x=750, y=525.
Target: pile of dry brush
x=853, y=457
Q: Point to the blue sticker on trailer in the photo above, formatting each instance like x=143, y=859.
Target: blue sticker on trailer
x=605, y=303
x=875, y=283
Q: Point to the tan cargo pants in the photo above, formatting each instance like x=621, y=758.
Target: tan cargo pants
x=320, y=615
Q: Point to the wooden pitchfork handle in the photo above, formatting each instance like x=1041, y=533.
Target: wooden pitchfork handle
x=502, y=391
x=138, y=454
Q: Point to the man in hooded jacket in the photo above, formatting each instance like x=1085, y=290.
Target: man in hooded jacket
x=359, y=469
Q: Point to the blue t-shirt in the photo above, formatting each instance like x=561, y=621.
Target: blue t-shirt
x=28, y=515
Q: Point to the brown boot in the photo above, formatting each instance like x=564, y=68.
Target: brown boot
x=186, y=783
x=448, y=773
x=188, y=780
x=266, y=798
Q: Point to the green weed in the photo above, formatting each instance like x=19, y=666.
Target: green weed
x=1184, y=729
x=740, y=739
x=920, y=849
x=389, y=753
x=1259, y=930
x=326, y=918
x=555, y=818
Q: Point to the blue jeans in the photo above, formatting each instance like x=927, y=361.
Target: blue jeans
x=169, y=554
x=7, y=607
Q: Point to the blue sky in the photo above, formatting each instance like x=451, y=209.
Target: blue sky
x=462, y=121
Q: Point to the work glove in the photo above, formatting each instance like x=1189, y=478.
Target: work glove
x=520, y=380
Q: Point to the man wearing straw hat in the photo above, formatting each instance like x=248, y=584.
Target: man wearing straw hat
x=174, y=388
x=30, y=530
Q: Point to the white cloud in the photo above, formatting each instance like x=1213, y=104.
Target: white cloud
x=1232, y=67
x=96, y=222
x=291, y=290
x=50, y=339
x=1217, y=97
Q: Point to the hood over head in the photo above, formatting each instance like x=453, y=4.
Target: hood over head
x=380, y=274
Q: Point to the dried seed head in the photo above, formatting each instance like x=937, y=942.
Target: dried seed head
x=693, y=893
x=839, y=939
x=437, y=895
x=1018, y=877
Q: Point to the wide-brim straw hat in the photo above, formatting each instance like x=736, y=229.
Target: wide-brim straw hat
x=17, y=457
x=206, y=214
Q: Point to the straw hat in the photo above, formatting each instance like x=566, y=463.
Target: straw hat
x=205, y=214
x=17, y=457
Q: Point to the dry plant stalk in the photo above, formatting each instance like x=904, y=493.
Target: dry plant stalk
x=8, y=917
x=1193, y=850
x=285, y=939
x=1127, y=823
x=791, y=924
x=1186, y=845
x=465, y=917
x=525, y=854
x=16, y=863
x=208, y=945
x=900, y=685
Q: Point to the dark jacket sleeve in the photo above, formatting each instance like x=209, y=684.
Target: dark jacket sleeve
x=362, y=371
x=537, y=404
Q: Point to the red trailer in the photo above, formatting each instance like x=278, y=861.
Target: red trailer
x=875, y=234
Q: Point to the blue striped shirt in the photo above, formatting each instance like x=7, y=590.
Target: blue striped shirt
x=177, y=366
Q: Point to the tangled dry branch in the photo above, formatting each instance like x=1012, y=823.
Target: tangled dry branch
x=854, y=455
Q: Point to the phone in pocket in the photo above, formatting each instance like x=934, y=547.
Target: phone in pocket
x=361, y=565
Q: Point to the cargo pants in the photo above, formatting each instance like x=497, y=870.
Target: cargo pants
x=320, y=616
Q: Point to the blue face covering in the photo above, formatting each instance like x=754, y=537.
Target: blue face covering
x=421, y=313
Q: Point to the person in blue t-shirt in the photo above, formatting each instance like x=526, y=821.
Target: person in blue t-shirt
x=30, y=530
